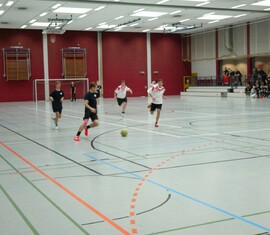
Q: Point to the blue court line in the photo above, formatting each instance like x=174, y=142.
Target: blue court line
x=183, y=195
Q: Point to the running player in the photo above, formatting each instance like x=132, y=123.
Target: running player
x=121, y=94
x=57, y=97
x=156, y=93
x=90, y=111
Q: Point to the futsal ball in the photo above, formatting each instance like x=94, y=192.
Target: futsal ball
x=124, y=132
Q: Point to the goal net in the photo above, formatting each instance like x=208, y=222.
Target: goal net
x=40, y=85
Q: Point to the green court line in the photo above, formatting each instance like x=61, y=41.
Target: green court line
x=207, y=223
x=19, y=211
x=48, y=199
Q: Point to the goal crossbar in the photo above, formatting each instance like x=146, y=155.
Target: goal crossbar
x=46, y=84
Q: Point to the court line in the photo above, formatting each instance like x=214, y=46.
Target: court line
x=206, y=223
x=46, y=197
x=183, y=195
x=67, y=191
x=33, y=229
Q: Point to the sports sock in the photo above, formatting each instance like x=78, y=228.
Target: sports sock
x=78, y=133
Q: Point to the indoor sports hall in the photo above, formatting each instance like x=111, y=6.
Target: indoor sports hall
x=204, y=170
x=134, y=117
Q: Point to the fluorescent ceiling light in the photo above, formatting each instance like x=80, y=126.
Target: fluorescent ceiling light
x=146, y=30
x=24, y=26
x=81, y=16
x=214, y=17
x=133, y=24
x=1, y=12
x=9, y=3
x=89, y=28
x=162, y=1
x=40, y=24
x=175, y=12
x=119, y=29
x=99, y=8
x=239, y=15
x=164, y=28
x=71, y=21
x=102, y=23
x=119, y=17
x=267, y=9
x=106, y=26
x=181, y=21
x=201, y=4
x=238, y=6
x=43, y=14
x=1, y=4
x=32, y=21
x=141, y=9
x=56, y=6
x=153, y=19
x=149, y=14
x=212, y=22
x=262, y=3
x=72, y=10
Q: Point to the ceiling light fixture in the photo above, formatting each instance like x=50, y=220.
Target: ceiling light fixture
x=162, y=1
x=43, y=14
x=175, y=12
x=202, y=4
x=56, y=6
x=72, y=10
x=265, y=3
x=9, y=3
x=239, y=15
x=99, y=8
x=150, y=14
x=238, y=6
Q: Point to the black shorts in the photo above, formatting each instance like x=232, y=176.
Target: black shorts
x=155, y=106
x=88, y=115
x=57, y=108
x=121, y=101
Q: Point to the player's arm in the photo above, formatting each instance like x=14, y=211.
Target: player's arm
x=115, y=92
x=86, y=104
x=130, y=91
x=150, y=90
x=51, y=98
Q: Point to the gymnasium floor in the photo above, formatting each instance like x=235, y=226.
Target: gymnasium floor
x=204, y=171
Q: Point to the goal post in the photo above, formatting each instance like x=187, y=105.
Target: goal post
x=82, y=86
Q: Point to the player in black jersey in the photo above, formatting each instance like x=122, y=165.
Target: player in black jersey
x=90, y=111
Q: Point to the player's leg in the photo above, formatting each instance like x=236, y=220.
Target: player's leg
x=157, y=117
x=124, y=105
x=57, y=116
x=82, y=126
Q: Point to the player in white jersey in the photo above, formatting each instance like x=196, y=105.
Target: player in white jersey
x=121, y=94
x=156, y=93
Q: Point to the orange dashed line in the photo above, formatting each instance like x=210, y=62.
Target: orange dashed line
x=132, y=221
x=67, y=191
x=135, y=195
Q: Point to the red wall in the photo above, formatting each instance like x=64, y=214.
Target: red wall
x=87, y=40
x=21, y=90
x=124, y=57
x=166, y=57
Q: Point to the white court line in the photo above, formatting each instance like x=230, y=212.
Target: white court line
x=160, y=133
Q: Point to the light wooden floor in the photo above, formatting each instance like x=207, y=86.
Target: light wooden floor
x=204, y=171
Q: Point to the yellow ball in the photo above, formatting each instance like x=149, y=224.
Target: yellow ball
x=124, y=132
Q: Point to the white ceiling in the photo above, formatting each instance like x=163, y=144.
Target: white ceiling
x=23, y=11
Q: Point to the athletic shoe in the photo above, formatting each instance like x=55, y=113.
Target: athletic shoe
x=77, y=138
x=85, y=131
x=56, y=128
x=156, y=124
x=123, y=112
